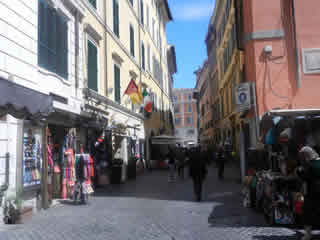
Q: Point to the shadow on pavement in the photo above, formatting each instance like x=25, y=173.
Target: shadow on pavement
x=275, y=237
x=230, y=213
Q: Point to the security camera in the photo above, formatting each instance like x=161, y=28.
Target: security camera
x=267, y=49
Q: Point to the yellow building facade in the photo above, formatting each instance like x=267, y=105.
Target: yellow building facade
x=125, y=40
x=226, y=65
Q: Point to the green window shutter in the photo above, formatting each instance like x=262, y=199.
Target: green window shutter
x=116, y=18
x=93, y=3
x=131, y=41
x=142, y=12
x=65, y=50
x=117, y=87
x=143, y=57
x=92, y=66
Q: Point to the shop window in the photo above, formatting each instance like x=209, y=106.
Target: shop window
x=117, y=87
x=116, y=18
x=53, y=40
x=177, y=121
x=92, y=66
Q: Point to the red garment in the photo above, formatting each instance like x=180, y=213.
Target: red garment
x=91, y=167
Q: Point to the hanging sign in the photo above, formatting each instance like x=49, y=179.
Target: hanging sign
x=243, y=97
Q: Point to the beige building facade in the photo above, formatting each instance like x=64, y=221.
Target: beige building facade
x=126, y=40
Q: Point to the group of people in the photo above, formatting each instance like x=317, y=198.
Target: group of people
x=198, y=159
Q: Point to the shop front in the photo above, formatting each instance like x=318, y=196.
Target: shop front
x=23, y=114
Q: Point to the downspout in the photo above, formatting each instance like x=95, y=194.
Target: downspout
x=296, y=44
x=161, y=87
x=140, y=44
x=105, y=47
x=76, y=26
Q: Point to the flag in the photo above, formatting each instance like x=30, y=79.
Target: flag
x=147, y=101
x=134, y=93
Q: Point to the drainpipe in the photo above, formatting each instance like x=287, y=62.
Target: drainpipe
x=105, y=46
x=76, y=26
x=296, y=43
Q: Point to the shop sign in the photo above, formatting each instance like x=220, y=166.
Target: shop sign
x=243, y=97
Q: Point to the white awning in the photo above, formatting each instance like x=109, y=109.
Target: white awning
x=165, y=139
x=294, y=112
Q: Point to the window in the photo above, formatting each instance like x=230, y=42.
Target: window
x=189, y=97
x=148, y=18
x=190, y=108
x=190, y=132
x=176, y=109
x=116, y=18
x=175, y=98
x=92, y=66
x=153, y=28
x=149, y=56
x=142, y=12
x=53, y=40
x=93, y=3
x=117, y=87
x=131, y=2
x=143, y=57
x=189, y=120
x=131, y=40
x=177, y=121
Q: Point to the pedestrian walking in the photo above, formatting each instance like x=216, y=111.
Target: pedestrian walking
x=171, y=162
x=198, y=171
x=181, y=163
x=221, y=160
x=309, y=171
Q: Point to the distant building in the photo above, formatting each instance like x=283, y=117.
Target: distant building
x=185, y=115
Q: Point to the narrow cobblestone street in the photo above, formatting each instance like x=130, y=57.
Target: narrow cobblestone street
x=151, y=208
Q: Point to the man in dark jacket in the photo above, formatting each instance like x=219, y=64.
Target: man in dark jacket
x=198, y=171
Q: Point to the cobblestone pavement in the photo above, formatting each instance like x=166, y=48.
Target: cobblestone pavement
x=151, y=208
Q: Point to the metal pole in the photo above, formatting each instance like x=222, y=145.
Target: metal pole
x=255, y=110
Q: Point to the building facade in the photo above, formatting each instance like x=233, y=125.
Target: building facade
x=204, y=90
x=185, y=116
x=225, y=64
x=64, y=68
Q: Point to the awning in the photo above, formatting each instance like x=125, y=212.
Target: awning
x=165, y=140
x=22, y=102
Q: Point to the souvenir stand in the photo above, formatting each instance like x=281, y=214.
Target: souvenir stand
x=63, y=157
x=277, y=192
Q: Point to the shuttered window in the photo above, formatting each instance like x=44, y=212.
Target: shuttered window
x=149, y=56
x=93, y=3
x=142, y=12
x=92, y=66
x=143, y=60
x=53, y=40
x=131, y=40
x=116, y=18
x=117, y=87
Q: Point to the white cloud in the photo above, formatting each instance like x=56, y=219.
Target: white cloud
x=193, y=11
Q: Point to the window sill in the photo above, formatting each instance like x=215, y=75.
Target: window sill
x=48, y=73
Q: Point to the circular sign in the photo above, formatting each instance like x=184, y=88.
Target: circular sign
x=242, y=97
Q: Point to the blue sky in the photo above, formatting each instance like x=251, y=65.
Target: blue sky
x=187, y=32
